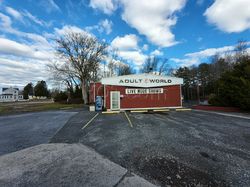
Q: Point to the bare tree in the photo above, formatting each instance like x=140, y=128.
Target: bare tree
x=111, y=68
x=241, y=51
x=124, y=69
x=113, y=59
x=164, y=67
x=156, y=65
x=62, y=73
x=150, y=65
x=82, y=54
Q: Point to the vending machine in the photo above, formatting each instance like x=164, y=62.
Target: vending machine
x=98, y=103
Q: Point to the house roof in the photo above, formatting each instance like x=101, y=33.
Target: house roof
x=3, y=89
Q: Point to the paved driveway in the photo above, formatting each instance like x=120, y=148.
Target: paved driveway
x=174, y=148
x=24, y=130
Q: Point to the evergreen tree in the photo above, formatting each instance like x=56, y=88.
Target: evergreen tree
x=28, y=90
x=41, y=89
x=234, y=86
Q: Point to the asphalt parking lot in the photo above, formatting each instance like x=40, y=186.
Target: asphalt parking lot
x=25, y=130
x=173, y=148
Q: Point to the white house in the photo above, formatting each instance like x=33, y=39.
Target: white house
x=10, y=94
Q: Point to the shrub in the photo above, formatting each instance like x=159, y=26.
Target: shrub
x=60, y=97
x=214, y=100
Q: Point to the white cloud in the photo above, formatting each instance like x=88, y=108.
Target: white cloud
x=135, y=57
x=210, y=52
x=70, y=28
x=20, y=15
x=14, y=48
x=197, y=57
x=35, y=19
x=128, y=49
x=127, y=42
x=50, y=5
x=156, y=53
x=14, y=13
x=103, y=26
x=145, y=47
x=185, y=62
x=107, y=6
x=6, y=26
x=26, y=60
x=22, y=71
x=229, y=15
x=5, y=21
x=27, y=56
x=153, y=19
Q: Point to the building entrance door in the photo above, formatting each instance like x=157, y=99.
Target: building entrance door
x=115, y=100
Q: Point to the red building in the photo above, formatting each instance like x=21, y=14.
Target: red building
x=138, y=91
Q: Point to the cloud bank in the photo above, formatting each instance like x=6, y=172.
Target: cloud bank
x=229, y=15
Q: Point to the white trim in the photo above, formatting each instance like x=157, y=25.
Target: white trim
x=149, y=108
x=104, y=96
x=94, y=91
x=181, y=95
x=119, y=100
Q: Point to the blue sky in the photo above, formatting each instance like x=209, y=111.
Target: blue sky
x=187, y=32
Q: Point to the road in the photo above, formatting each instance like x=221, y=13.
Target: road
x=187, y=148
x=174, y=148
x=25, y=130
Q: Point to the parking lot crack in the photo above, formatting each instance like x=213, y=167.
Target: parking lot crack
x=122, y=178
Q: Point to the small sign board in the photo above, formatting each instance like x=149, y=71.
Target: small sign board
x=144, y=91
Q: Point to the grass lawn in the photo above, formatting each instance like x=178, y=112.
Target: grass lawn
x=17, y=107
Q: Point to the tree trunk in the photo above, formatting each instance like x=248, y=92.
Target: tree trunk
x=69, y=96
x=84, y=92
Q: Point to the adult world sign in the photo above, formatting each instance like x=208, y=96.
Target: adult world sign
x=142, y=80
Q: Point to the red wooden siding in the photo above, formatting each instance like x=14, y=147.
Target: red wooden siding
x=170, y=98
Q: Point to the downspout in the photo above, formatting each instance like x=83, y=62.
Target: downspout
x=94, y=92
x=181, y=95
x=104, y=96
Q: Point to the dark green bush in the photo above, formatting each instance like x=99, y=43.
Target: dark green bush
x=61, y=97
x=214, y=100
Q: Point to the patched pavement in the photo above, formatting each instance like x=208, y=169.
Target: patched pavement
x=64, y=165
x=25, y=130
x=171, y=148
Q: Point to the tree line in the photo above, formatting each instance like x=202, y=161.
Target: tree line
x=81, y=56
x=39, y=90
x=225, y=81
